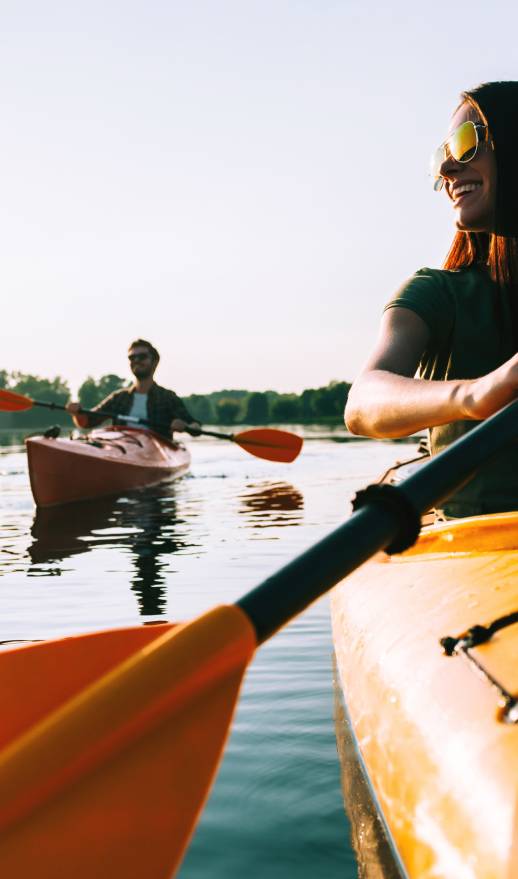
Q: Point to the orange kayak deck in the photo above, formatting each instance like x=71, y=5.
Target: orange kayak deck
x=441, y=760
x=105, y=462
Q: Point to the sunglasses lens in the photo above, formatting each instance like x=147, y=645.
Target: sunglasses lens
x=463, y=142
x=436, y=162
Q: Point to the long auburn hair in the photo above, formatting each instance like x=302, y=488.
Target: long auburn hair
x=497, y=105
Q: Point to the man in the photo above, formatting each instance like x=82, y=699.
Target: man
x=144, y=400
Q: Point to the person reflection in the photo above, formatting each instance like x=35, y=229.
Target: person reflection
x=145, y=522
x=271, y=504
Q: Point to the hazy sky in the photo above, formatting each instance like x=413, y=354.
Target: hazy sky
x=244, y=183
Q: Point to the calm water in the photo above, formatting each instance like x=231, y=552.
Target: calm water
x=170, y=553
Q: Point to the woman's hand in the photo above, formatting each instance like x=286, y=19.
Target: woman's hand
x=484, y=396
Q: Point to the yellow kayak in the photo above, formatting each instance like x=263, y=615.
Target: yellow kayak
x=435, y=734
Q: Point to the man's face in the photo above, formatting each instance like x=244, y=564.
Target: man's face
x=141, y=362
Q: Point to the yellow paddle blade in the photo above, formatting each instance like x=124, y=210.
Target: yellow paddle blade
x=111, y=782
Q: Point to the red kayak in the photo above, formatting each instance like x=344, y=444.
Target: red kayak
x=105, y=462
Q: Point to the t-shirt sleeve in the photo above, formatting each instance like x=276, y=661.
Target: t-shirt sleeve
x=426, y=294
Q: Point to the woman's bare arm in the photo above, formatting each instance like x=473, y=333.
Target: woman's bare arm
x=386, y=400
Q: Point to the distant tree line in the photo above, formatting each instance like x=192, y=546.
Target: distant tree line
x=325, y=404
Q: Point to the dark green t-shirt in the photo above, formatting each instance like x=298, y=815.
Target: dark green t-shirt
x=470, y=335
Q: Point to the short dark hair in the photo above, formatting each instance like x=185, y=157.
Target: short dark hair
x=141, y=343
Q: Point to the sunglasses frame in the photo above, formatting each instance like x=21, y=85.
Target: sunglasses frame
x=144, y=355
x=447, y=153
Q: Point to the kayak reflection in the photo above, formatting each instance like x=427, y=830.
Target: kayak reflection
x=271, y=504
x=145, y=522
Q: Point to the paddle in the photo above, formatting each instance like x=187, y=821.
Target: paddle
x=264, y=442
x=273, y=445
x=105, y=769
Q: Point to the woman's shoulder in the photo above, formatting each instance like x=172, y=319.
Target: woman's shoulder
x=426, y=284
x=434, y=294
x=448, y=277
x=443, y=284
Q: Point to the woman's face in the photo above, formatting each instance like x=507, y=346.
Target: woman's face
x=471, y=186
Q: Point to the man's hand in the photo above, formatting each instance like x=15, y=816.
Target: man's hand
x=181, y=426
x=73, y=408
x=178, y=425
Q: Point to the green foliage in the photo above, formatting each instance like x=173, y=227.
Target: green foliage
x=238, y=395
x=330, y=401
x=307, y=403
x=54, y=390
x=227, y=410
x=200, y=408
x=257, y=409
x=91, y=392
x=286, y=408
x=4, y=378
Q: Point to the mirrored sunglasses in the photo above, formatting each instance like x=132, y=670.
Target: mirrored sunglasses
x=462, y=146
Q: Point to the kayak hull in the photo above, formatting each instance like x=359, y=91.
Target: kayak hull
x=441, y=762
x=105, y=462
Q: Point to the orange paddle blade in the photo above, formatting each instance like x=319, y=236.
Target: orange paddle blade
x=273, y=445
x=11, y=402
x=111, y=782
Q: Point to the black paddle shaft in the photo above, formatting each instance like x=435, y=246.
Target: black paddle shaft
x=374, y=527
x=115, y=415
x=127, y=419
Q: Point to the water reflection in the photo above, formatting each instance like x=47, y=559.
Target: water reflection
x=268, y=504
x=146, y=523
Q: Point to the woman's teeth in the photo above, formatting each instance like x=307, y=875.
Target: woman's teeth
x=466, y=187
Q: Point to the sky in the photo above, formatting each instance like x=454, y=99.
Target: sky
x=243, y=182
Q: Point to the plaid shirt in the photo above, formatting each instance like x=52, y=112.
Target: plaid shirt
x=162, y=406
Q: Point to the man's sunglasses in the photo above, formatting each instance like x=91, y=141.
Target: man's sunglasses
x=461, y=145
x=143, y=356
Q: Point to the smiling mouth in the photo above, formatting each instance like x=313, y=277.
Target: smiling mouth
x=464, y=189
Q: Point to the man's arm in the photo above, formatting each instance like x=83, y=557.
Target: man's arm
x=182, y=418
x=97, y=415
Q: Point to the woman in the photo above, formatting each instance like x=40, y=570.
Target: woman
x=458, y=327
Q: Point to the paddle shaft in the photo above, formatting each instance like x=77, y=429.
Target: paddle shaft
x=373, y=527
x=129, y=419
x=227, y=436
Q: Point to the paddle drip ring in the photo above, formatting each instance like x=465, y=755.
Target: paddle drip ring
x=391, y=498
